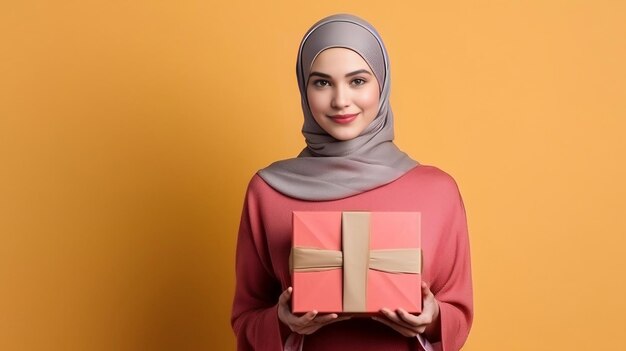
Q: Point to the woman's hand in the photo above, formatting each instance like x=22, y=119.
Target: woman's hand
x=410, y=325
x=308, y=322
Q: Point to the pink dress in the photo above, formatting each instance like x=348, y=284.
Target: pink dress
x=262, y=265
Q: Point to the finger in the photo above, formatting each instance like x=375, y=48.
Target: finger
x=285, y=296
x=296, y=323
x=426, y=290
x=311, y=328
x=393, y=316
x=341, y=319
x=409, y=319
x=334, y=320
x=422, y=320
x=429, y=313
x=399, y=328
x=323, y=318
x=305, y=319
x=430, y=310
x=327, y=319
x=426, y=317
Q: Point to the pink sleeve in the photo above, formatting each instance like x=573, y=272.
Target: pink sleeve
x=453, y=287
x=254, y=314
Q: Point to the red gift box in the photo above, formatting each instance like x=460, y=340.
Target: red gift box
x=356, y=262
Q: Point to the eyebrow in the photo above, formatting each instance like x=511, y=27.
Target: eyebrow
x=324, y=75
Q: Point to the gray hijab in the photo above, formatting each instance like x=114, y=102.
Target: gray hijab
x=330, y=169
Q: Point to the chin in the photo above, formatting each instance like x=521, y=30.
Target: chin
x=344, y=136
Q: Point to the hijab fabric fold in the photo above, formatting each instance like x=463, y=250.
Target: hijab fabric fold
x=330, y=169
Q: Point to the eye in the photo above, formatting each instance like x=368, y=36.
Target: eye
x=359, y=81
x=321, y=83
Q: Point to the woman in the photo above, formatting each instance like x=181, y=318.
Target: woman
x=350, y=162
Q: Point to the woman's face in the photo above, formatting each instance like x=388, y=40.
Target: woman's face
x=342, y=92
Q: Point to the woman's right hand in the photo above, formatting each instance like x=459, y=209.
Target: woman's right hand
x=309, y=322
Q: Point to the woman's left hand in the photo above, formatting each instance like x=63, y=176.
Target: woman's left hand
x=409, y=324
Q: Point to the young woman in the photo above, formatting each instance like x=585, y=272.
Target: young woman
x=350, y=163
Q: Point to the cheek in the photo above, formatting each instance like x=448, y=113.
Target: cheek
x=369, y=99
x=316, y=102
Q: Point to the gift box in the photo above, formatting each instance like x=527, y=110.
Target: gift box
x=356, y=262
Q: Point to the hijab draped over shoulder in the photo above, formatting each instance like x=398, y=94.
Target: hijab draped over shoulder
x=330, y=169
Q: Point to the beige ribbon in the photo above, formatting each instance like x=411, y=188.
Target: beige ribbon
x=355, y=260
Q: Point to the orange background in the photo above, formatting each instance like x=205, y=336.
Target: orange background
x=129, y=130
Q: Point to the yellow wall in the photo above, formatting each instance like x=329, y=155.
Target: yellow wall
x=129, y=130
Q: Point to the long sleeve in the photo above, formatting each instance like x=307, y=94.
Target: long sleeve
x=454, y=291
x=254, y=314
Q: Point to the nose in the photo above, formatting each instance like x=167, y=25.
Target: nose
x=341, y=97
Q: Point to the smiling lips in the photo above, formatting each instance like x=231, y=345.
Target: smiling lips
x=343, y=119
